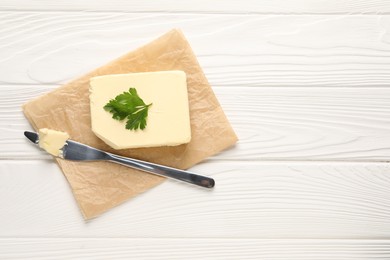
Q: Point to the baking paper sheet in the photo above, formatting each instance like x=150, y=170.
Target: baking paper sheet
x=100, y=186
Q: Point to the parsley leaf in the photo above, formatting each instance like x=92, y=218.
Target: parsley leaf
x=130, y=106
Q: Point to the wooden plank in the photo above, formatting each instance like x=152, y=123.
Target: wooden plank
x=205, y=248
x=234, y=50
x=203, y=6
x=250, y=200
x=271, y=123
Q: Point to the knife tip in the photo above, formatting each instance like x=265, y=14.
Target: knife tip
x=32, y=136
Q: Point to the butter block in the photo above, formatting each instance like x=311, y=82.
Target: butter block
x=52, y=141
x=168, y=121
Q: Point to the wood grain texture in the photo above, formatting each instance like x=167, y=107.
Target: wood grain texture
x=271, y=123
x=250, y=200
x=120, y=248
x=204, y=6
x=234, y=50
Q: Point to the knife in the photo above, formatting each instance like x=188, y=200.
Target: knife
x=76, y=151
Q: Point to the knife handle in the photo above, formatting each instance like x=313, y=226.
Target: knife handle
x=165, y=171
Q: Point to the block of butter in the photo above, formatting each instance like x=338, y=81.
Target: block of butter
x=168, y=121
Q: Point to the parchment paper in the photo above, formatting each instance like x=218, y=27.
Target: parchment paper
x=100, y=186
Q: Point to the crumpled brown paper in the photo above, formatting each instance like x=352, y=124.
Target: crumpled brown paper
x=99, y=186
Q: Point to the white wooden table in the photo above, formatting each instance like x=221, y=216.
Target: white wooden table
x=306, y=86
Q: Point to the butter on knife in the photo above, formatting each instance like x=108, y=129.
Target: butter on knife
x=52, y=141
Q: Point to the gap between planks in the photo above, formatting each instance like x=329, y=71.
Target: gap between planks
x=216, y=159
x=214, y=13
x=204, y=6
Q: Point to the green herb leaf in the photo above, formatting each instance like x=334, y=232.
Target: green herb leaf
x=130, y=106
